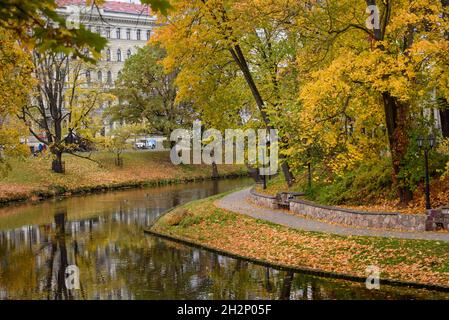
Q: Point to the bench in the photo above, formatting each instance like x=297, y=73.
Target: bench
x=283, y=198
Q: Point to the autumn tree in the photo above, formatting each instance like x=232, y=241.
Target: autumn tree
x=36, y=23
x=63, y=104
x=443, y=101
x=212, y=39
x=147, y=94
x=357, y=82
x=363, y=88
x=119, y=140
x=15, y=84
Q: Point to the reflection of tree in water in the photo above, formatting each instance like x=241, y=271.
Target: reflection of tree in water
x=215, y=186
x=176, y=200
x=268, y=285
x=58, y=245
x=167, y=270
x=286, y=286
x=117, y=261
x=160, y=271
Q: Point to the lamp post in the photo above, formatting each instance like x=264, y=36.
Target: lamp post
x=309, y=175
x=264, y=176
x=309, y=166
x=427, y=144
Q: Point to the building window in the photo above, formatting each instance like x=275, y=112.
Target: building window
x=108, y=55
x=119, y=55
x=118, y=33
x=128, y=53
x=148, y=34
x=98, y=28
x=128, y=34
x=108, y=32
x=138, y=34
x=109, y=77
x=88, y=79
x=100, y=76
x=89, y=27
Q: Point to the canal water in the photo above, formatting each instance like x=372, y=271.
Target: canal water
x=103, y=236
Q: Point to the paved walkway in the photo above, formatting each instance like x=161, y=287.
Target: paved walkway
x=238, y=202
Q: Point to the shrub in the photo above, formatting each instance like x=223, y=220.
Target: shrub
x=365, y=182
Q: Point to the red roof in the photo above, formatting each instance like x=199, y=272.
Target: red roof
x=111, y=6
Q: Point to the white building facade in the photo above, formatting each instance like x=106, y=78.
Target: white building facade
x=126, y=26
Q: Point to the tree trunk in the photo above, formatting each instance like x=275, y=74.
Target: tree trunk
x=57, y=165
x=287, y=173
x=118, y=161
x=396, y=115
x=215, y=174
x=254, y=174
x=444, y=111
x=239, y=58
x=444, y=116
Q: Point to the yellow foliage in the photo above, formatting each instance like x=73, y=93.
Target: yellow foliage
x=15, y=85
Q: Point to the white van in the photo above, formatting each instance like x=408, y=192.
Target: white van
x=146, y=144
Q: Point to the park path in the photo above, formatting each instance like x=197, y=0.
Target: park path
x=239, y=202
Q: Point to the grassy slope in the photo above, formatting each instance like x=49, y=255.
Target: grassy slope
x=33, y=175
x=406, y=260
x=377, y=203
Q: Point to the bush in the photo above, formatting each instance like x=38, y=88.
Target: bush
x=413, y=172
x=365, y=183
x=444, y=149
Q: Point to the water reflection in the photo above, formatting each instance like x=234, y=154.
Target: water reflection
x=103, y=236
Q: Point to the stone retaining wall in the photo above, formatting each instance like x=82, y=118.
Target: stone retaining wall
x=263, y=200
x=381, y=220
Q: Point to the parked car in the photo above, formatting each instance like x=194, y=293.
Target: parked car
x=139, y=145
x=145, y=144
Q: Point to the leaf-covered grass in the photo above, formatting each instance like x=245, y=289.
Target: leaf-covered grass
x=399, y=259
x=33, y=175
x=366, y=188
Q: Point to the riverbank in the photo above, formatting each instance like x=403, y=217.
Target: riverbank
x=32, y=180
x=202, y=223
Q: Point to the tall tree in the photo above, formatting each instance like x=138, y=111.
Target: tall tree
x=63, y=104
x=204, y=37
x=444, y=101
x=119, y=140
x=350, y=68
x=15, y=84
x=146, y=93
